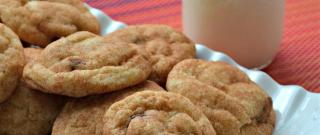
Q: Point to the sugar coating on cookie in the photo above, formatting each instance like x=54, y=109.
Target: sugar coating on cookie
x=158, y=113
x=232, y=103
x=85, y=64
x=11, y=61
x=41, y=22
x=31, y=54
x=161, y=44
x=7, y=4
x=29, y=112
x=85, y=115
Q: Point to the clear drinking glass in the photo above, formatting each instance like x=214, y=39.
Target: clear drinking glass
x=249, y=31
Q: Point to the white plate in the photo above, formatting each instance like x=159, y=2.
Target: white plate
x=298, y=111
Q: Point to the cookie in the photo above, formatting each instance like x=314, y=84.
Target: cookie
x=75, y=3
x=155, y=113
x=7, y=4
x=11, y=61
x=29, y=112
x=161, y=44
x=41, y=22
x=84, y=115
x=31, y=54
x=232, y=103
x=85, y=64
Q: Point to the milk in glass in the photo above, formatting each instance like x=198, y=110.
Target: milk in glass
x=248, y=30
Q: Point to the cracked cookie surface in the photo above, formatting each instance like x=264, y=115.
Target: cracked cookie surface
x=84, y=115
x=233, y=104
x=11, y=61
x=156, y=113
x=85, y=64
x=162, y=45
x=41, y=22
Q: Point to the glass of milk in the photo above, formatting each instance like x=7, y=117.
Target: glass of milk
x=249, y=31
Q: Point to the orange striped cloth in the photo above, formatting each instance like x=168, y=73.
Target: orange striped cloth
x=298, y=60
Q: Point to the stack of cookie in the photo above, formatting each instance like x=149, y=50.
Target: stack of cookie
x=24, y=110
x=138, y=80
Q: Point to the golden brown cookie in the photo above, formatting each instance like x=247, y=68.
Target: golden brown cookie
x=11, y=61
x=18, y=3
x=233, y=103
x=29, y=112
x=84, y=115
x=75, y=3
x=161, y=44
x=85, y=64
x=156, y=113
x=41, y=22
